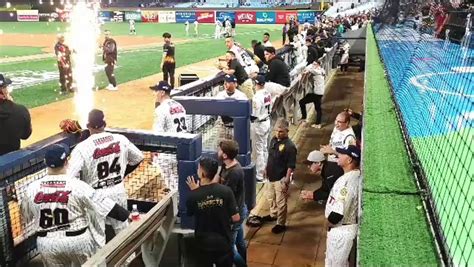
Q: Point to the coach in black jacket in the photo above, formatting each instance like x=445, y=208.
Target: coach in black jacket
x=15, y=120
x=278, y=71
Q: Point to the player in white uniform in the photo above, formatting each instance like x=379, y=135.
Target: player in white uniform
x=186, y=28
x=342, y=136
x=228, y=27
x=260, y=130
x=196, y=30
x=103, y=160
x=341, y=209
x=132, y=27
x=242, y=56
x=170, y=116
x=61, y=210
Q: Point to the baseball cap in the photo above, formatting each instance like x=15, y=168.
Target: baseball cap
x=260, y=80
x=96, y=119
x=56, y=155
x=315, y=156
x=351, y=151
x=229, y=78
x=162, y=85
x=4, y=81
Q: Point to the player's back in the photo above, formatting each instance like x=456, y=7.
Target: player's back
x=170, y=117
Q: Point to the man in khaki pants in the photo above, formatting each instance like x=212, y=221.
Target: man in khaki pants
x=280, y=166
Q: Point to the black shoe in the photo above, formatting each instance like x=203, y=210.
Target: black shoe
x=277, y=229
x=254, y=221
x=268, y=218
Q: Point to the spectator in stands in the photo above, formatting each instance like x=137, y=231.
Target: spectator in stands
x=15, y=120
x=315, y=95
x=312, y=53
x=278, y=70
x=342, y=136
x=232, y=175
x=259, y=51
x=266, y=40
x=329, y=172
x=214, y=209
x=235, y=68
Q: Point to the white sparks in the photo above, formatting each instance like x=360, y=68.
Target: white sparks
x=83, y=35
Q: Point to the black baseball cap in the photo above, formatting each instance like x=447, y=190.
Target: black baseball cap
x=4, y=81
x=161, y=86
x=260, y=80
x=229, y=78
x=56, y=155
x=96, y=119
x=351, y=151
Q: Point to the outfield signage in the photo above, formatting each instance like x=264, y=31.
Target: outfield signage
x=283, y=17
x=205, y=16
x=150, y=16
x=135, y=15
x=8, y=16
x=246, y=17
x=117, y=16
x=265, y=18
x=306, y=15
x=27, y=15
x=183, y=16
x=166, y=17
x=105, y=16
x=223, y=15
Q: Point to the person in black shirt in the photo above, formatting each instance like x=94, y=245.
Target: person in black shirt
x=168, y=62
x=232, y=175
x=259, y=51
x=329, y=172
x=235, y=68
x=278, y=71
x=15, y=120
x=109, y=56
x=214, y=209
x=312, y=52
x=63, y=57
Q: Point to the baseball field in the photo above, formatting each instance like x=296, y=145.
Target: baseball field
x=26, y=56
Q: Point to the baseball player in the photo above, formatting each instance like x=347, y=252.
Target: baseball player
x=170, y=116
x=109, y=56
x=168, y=62
x=63, y=57
x=242, y=56
x=103, y=160
x=260, y=130
x=61, y=210
x=341, y=208
x=342, y=136
x=186, y=27
x=196, y=30
x=217, y=31
x=131, y=25
x=228, y=28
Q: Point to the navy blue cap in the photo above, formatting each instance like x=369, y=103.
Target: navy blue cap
x=56, y=155
x=260, y=80
x=96, y=119
x=229, y=78
x=4, y=81
x=161, y=86
x=351, y=151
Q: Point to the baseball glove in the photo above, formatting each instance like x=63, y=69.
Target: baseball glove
x=70, y=126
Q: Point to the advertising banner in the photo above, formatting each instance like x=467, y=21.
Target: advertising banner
x=205, y=16
x=223, y=15
x=284, y=16
x=244, y=17
x=105, y=16
x=166, y=17
x=49, y=16
x=135, y=15
x=117, y=16
x=266, y=18
x=306, y=15
x=183, y=16
x=8, y=16
x=27, y=15
x=149, y=16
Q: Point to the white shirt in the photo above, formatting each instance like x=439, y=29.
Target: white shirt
x=196, y=24
x=170, y=117
x=61, y=202
x=267, y=44
x=344, y=197
x=261, y=104
x=341, y=139
x=318, y=78
x=244, y=59
x=237, y=95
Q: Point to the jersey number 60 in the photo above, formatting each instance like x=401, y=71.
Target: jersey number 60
x=49, y=218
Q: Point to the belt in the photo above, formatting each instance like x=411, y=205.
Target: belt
x=72, y=233
x=230, y=125
x=263, y=120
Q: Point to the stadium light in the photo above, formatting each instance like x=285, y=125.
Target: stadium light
x=51, y=3
x=40, y=2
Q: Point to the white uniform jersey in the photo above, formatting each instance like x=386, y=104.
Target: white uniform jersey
x=131, y=24
x=261, y=105
x=238, y=95
x=342, y=139
x=268, y=44
x=244, y=59
x=343, y=198
x=318, y=78
x=61, y=203
x=196, y=23
x=170, y=117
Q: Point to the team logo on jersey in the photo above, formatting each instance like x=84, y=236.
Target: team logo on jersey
x=113, y=148
x=56, y=197
x=281, y=147
x=54, y=184
x=267, y=99
x=176, y=109
x=344, y=192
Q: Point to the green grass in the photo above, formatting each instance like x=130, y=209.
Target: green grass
x=132, y=64
x=394, y=229
x=16, y=51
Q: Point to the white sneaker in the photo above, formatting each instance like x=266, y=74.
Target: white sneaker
x=111, y=88
x=260, y=179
